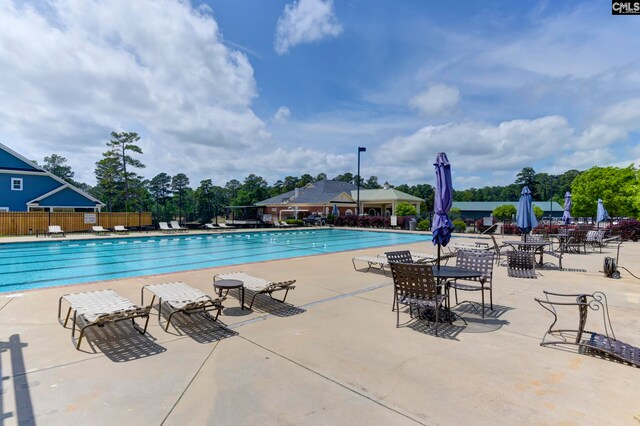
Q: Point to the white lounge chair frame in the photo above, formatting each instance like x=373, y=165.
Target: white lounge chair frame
x=97, y=308
x=180, y=297
x=377, y=262
x=99, y=230
x=224, y=225
x=120, y=229
x=176, y=226
x=258, y=285
x=55, y=230
x=164, y=227
x=211, y=226
x=380, y=261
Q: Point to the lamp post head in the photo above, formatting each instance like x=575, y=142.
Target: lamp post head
x=362, y=149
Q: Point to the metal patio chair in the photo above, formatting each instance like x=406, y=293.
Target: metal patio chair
x=478, y=261
x=603, y=343
x=415, y=286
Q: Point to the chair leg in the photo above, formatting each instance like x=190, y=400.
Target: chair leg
x=491, y=297
x=482, y=292
x=437, y=318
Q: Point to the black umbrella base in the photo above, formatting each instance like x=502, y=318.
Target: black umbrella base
x=444, y=315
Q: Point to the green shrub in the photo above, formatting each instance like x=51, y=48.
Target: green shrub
x=405, y=209
x=538, y=212
x=424, y=225
x=504, y=212
x=455, y=213
x=297, y=222
x=459, y=225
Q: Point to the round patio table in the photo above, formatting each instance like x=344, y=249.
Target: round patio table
x=227, y=285
x=451, y=272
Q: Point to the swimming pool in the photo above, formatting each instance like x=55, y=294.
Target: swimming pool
x=48, y=264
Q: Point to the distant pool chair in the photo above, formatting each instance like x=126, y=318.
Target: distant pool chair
x=176, y=226
x=98, y=308
x=56, y=230
x=120, y=229
x=99, y=230
x=163, y=227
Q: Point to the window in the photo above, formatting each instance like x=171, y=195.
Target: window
x=16, y=184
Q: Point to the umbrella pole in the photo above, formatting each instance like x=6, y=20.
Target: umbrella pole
x=438, y=256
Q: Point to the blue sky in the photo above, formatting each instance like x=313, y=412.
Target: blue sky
x=224, y=88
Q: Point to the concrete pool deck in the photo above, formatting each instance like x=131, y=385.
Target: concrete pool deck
x=333, y=356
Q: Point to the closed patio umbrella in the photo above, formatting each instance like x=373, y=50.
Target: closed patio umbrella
x=602, y=213
x=442, y=226
x=525, y=218
x=335, y=211
x=566, y=216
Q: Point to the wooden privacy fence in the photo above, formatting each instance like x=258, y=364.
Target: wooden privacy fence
x=28, y=223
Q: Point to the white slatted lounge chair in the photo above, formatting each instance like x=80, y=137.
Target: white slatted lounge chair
x=165, y=228
x=285, y=224
x=99, y=230
x=224, y=225
x=179, y=297
x=210, y=226
x=56, y=230
x=99, y=308
x=120, y=229
x=377, y=262
x=175, y=225
x=258, y=285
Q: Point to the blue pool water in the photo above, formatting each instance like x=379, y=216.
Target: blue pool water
x=37, y=265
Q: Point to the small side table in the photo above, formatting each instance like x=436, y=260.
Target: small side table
x=227, y=285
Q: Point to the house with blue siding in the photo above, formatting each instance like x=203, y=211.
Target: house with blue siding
x=25, y=186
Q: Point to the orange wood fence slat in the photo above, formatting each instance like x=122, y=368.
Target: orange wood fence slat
x=28, y=223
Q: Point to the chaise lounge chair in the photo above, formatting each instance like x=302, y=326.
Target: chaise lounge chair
x=99, y=230
x=381, y=261
x=225, y=226
x=56, y=230
x=377, y=262
x=179, y=297
x=210, y=226
x=97, y=308
x=120, y=229
x=258, y=285
x=175, y=225
x=163, y=227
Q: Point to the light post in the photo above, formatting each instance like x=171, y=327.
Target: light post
x=360, y=149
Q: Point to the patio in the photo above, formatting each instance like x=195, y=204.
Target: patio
x=334, y=356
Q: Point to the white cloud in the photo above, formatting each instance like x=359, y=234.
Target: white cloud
x=282, y=115
x=439, y=99
x=306, y=21
x=475, y=147
x=76, y=70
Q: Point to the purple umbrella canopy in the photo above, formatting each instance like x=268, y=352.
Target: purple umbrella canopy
x=601, y=214
x=442, y=226
x=525, y=218
x=566, y=216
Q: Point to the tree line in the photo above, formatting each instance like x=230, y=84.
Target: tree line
x=122, y=188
